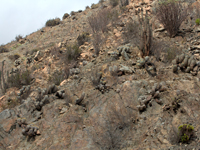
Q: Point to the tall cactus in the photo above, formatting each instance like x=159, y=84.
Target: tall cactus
x=146, y=33
x=3, y=84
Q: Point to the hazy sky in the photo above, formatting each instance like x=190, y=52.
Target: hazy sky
x=22, y=17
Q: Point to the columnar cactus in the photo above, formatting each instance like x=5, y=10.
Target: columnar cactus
x=146, y=33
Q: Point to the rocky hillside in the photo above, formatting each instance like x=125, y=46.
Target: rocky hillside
x=111, y=77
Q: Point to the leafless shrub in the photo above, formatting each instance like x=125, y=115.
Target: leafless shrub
x=171, y=13
x=18, y=37
x=97, y=42
x=131, y=33
x=98, y=21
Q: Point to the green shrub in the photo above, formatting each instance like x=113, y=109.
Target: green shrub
x=19, y=79
x=197, y=21
x=53, y=22
x=185, y=132
x=72, y=52
x=3, y=49
x=65, y=16
x=84, y=37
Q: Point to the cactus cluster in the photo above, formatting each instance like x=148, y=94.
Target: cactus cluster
x=60, y=94
x=30, y=131
x=21, y=122
x=124, y=52
x=186, y=63
x=149, y=66
x=154, y=95
x=146, y=33
x=23, y=90
x=74, y=72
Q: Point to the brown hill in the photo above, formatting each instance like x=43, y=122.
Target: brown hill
x=108, y=77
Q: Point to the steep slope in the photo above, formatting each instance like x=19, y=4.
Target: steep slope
x=116, y=100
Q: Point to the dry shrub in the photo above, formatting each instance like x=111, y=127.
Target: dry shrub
x=99, y=20
x=66, y=15
x=114, y=3
x=97, y=41
x=53, y=22
x=171, y=13
x=3, y=49
x=160, y=46
x=94, y=6
x=20, y=78
x=96, y=76
x=72, y=52
x=18, y=37
x=84, y=37
x=14, y=57
x=57, y=77
x=131, y=33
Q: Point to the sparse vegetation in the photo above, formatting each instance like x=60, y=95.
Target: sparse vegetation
x=84, y=37
x=197, y=21
x=72, y=52
x=57, y=77
x=3, y=49
x=19, y=79
x=14, y=57
x=53, y=22
x=98, y=21
x=171, y=13
x=18, y=37
x=66, y=15
x=186, y=131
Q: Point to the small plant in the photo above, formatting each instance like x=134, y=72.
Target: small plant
x=197, y=21
x=18, y=37
x=53, y=22
x=186, y=131
x=66, y=15
x=3, y=49
x=84, y=37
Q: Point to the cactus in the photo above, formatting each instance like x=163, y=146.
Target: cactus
x=146, y=33
x=3, y=84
